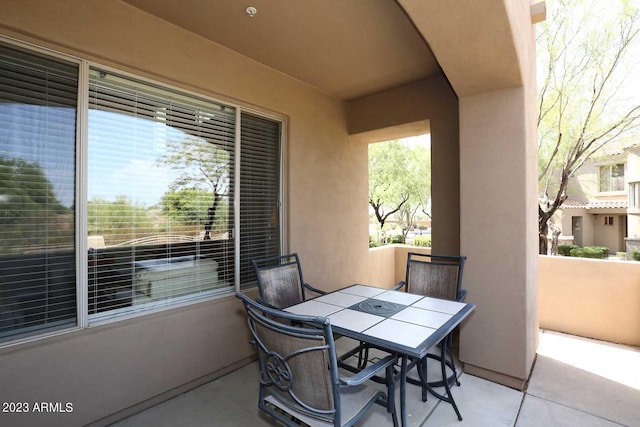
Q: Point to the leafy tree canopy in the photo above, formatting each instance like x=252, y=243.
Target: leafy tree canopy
x=587, y=50
x=399, y=180
x=31, y=216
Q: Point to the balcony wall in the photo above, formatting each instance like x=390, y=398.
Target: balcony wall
x=591, y=298
x=585, y=297
x=389, y=263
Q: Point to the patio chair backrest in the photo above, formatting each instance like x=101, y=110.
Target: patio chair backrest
x=298, y=365
x=438, y=276
x=280, y=280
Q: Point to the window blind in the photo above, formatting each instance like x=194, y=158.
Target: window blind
x=159, y=193
x=38, y=110
x=259, y=192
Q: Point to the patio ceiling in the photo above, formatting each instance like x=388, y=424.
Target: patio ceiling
x=347, y=49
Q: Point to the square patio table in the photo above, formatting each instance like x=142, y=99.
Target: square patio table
x=402, y=323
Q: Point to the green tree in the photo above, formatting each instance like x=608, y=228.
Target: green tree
x=189, y=207
x=585, y=53
x=119, y=221
x=418, y=184
x=399, y=181
x=31, y=216
x=203, y=165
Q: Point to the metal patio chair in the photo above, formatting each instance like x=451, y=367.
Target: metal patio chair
x=438, y=276
x=299, y=379
x=281, y=284
x=280, y=281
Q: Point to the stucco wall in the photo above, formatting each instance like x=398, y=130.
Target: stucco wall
x=433, y=105
x=487, y=51
x=591, y=298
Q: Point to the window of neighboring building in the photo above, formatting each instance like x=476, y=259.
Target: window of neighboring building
x=181, y=192
x=634, y=196
x=612, y=178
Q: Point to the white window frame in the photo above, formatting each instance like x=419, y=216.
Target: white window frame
x=84, y=320
x=610, y=166
x=634, y=197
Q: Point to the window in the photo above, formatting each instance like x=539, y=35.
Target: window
x=608, y=220
x=634, y=196
x=612, y=178
x=38, y=110
x=181, y=193
x=259, y=192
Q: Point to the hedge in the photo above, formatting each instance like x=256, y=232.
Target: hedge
x=590, y=252
x=565, y=250
x=422, y=241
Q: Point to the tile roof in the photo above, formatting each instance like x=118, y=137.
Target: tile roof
x=604, y=204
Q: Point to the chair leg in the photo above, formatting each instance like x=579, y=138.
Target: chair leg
x=363, y=356
x=449, y=397
x=391, y=399
x=447, y=343
x=446, y=383
x=452, y=364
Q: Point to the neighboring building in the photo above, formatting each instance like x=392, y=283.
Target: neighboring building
x=603, y=203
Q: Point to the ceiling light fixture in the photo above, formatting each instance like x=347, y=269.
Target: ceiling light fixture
x=251, y=11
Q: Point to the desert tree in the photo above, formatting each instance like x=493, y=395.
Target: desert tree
x=586, y=52
x=399, y=181
x=201, y=166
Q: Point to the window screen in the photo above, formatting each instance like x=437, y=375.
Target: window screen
x=38, y=111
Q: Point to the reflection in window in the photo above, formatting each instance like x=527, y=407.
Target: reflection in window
x=159, y=191
x=38, y=108
x=612, y=178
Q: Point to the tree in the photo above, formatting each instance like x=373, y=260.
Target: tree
x=31, y=216
x=418, y=184
x=399, y=181
x=203, y=165
x=188, y=208
x=585, y=49
x=119, y=221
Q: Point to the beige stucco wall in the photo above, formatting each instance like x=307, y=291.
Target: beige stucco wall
x=389, y=263
x=487, y=50
x=591, y=298
x=430, y=104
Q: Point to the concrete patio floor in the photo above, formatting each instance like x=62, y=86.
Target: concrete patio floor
x=576, y=382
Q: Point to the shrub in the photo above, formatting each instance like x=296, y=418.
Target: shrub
x=422, y=241
x=636, y=255
x=599, y=252
x=399, y=238
x=565, y=250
